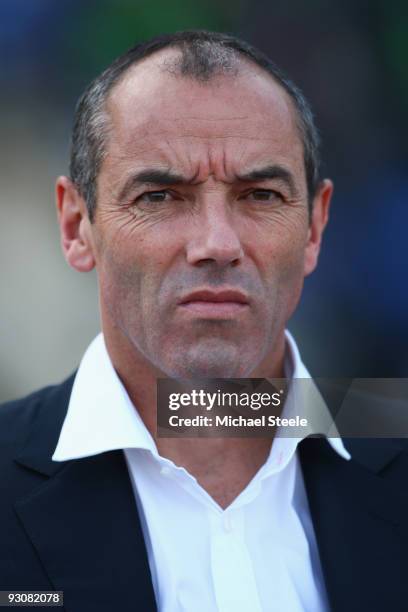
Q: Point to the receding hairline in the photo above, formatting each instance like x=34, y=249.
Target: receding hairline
x=169, y=59
x=166, y=61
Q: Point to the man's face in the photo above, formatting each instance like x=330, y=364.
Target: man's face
x=201, y=231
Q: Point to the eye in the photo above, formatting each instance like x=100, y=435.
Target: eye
x=154, y=197
x=264, y=195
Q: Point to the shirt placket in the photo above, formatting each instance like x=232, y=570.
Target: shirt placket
x=232, y=572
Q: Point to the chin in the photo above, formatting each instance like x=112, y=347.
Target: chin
x=219, y=362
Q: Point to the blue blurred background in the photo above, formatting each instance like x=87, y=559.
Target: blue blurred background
x=349, y=57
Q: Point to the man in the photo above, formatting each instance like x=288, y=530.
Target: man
x=195, y=192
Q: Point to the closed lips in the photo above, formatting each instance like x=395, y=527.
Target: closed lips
x=233, y=296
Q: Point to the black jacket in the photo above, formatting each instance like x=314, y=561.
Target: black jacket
x=74, y=526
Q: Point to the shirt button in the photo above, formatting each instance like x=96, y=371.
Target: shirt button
x=228, y=523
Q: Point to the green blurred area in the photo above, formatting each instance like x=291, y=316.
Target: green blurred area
x=106, y=29
x=395, y=43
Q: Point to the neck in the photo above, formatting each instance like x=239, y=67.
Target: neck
x=223, y=466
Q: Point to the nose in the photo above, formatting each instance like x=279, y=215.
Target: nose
x=215, y=238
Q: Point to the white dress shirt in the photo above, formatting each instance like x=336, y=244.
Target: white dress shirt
x=259, y=554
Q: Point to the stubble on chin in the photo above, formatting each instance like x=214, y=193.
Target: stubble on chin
x=209, y=358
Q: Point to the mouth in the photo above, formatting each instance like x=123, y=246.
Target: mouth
x=210, y=304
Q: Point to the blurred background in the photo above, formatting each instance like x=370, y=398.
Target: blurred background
x=349, y=57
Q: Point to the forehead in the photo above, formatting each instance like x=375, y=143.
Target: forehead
x=159, y=116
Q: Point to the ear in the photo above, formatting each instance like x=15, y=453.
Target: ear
x=75, y=227
x=320, y=217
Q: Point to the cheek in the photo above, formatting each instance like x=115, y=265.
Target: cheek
x=119, y=284
x=130, y=270
x=280, y=259
x=281, y=255
x=119, y=265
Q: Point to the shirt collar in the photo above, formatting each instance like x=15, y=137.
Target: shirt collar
x=101, y=416
x=309, y=401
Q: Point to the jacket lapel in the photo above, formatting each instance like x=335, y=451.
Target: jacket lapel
x=83, y=522
x=360, y=521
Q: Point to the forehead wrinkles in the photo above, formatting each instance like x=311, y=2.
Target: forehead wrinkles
x=128, y=132
x=197, y=158
x=197, y=145
x=179, y=124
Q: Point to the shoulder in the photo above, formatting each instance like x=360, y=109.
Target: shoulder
x=17, y=416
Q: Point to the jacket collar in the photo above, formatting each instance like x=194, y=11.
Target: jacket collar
x=36, y=449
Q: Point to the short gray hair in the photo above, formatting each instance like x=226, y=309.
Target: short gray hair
x=203, y=56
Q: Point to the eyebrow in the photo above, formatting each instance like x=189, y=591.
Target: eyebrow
x=268, y=173
x=151, y=176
